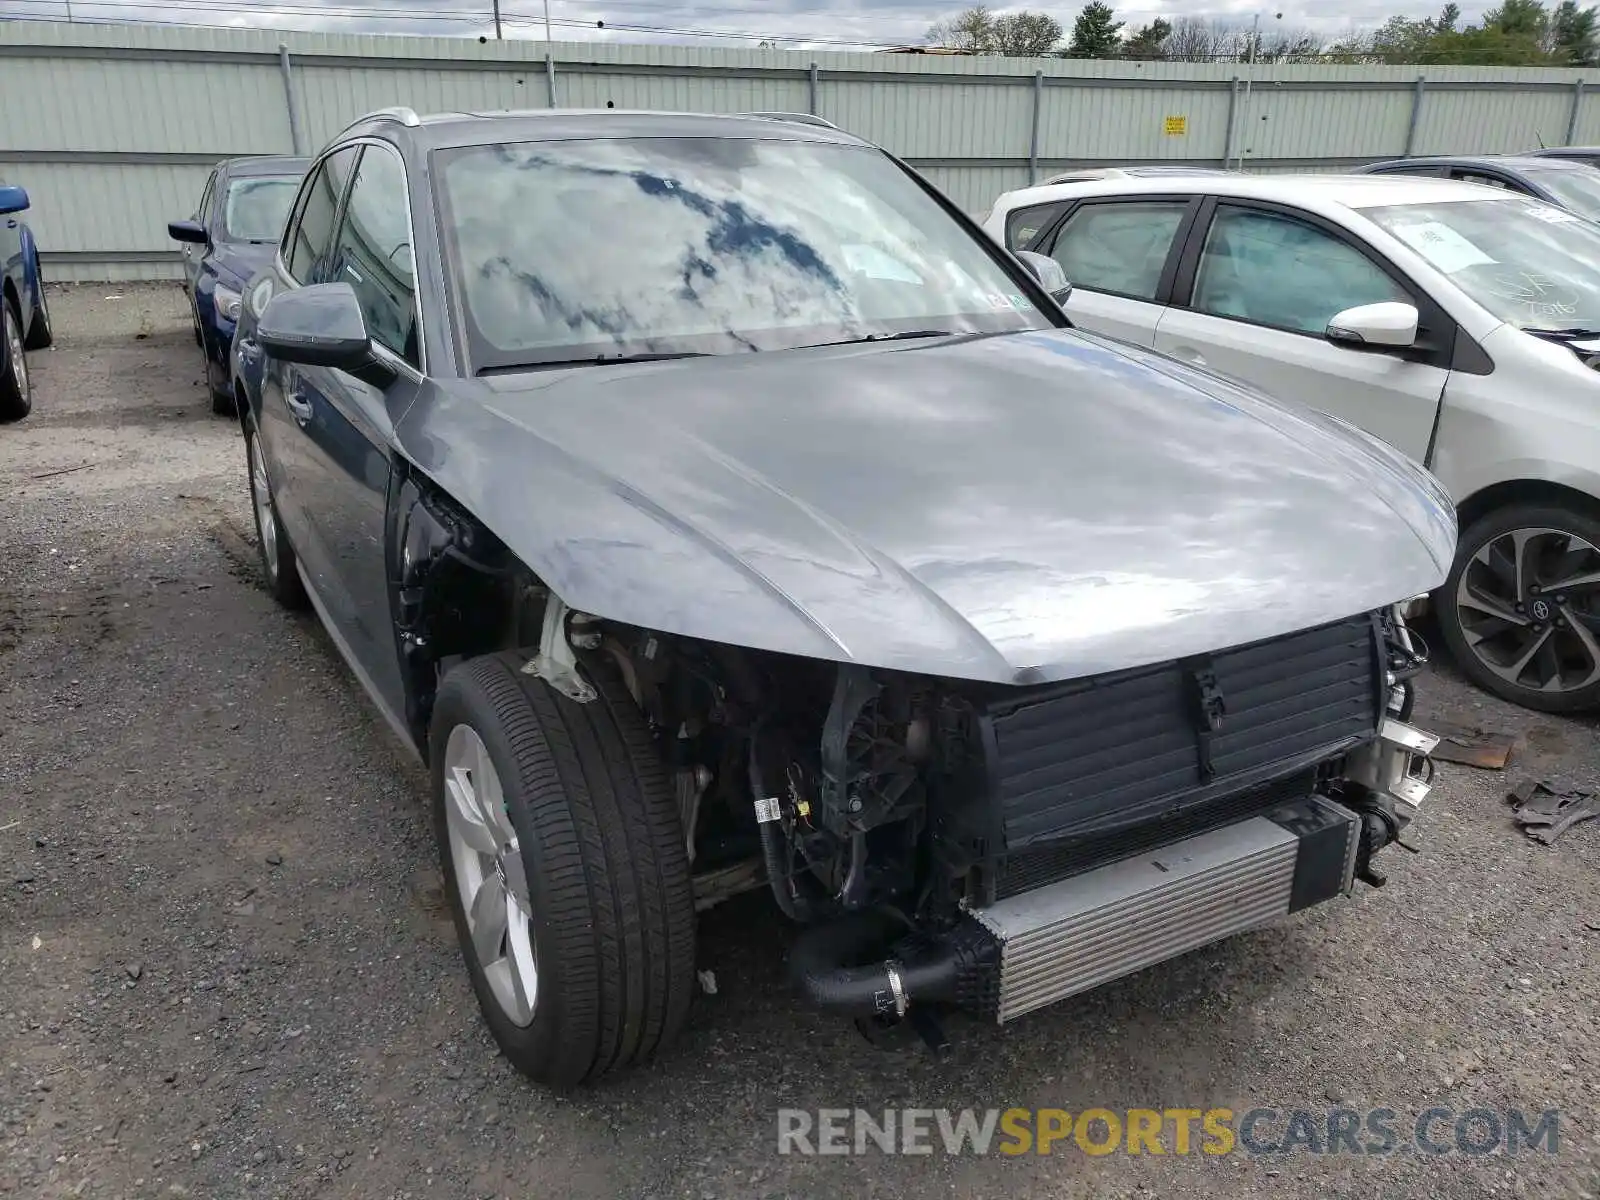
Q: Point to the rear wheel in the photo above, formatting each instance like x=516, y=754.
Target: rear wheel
x=16, y=396
x=278, y=562
x=39, y=335
x=564, y=863
x=1520, y=610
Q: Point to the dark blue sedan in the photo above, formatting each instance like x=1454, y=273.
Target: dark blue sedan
x=232, y=235
x=24, y=319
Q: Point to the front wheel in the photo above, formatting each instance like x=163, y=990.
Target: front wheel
x=1520, y=610
x=16, y=394
x=563, y=859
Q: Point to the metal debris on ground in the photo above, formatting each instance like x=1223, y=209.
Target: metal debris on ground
x=1545, y=811
x=1475, y=747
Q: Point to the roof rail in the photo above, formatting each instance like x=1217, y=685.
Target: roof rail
x=797, y=118
x=399, y=112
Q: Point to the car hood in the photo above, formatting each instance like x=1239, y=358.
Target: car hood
x=243, y=260
x=1015, y=508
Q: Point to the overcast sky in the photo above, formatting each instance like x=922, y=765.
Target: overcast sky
x=819, y=24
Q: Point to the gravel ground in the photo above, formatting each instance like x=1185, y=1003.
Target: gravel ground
x=225, y=969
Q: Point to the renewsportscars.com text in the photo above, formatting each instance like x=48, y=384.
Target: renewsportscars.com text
x=1177, y=1131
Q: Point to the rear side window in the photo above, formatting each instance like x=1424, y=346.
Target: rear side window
x=1119, y=248
x=1493, y=181
x=308, y=246
x=1025, y=224
x=374, y=252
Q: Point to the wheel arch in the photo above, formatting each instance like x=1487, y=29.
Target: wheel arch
x=1524, y=491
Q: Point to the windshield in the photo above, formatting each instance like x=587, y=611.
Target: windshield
x=1577, y=190
x=1526, y=261
x=257, y=205
x=585, y=249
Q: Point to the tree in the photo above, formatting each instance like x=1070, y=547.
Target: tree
x=1148, y=42
x=1518, y=18
x=973, y=31
x=1574, y=35
x=1096, y=32
x=1024, y=35
x=978, y=31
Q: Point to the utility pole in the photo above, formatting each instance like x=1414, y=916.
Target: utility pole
x=497, y=20
x=546, y=20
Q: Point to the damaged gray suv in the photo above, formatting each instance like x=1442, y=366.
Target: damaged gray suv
x=713, y=508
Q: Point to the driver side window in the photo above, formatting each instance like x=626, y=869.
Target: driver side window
x=373, y=252
x=1284, y=273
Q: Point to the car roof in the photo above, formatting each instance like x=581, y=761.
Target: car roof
x=265, y=164
x=443, y=129
x=1348, y=191
x=1548, y=152
x=1513, y=162
x=1135, y=171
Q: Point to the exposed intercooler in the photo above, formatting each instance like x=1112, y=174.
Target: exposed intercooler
x=1070, y=936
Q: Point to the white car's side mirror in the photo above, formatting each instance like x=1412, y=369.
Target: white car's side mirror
x=1388, y=324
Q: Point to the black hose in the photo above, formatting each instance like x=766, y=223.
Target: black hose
x=798, y=893
x=823, y=966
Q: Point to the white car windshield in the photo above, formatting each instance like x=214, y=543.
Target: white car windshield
x=664, y=246
x=1528, y=262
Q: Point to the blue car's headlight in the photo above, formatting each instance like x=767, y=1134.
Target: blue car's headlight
x=227, y=302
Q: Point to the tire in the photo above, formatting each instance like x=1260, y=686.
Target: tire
x=16, y=393
x=599, y=848
x=221, y=399
x=40, y=335
x=278, y=563
x=1544, y=655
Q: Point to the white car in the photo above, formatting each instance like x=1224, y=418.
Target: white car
x=1458, y=322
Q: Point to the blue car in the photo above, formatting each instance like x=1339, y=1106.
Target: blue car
x=232, y=235
x=24, y=319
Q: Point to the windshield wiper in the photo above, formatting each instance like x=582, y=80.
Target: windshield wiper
x=883, y=337
x=1562, y=335
x=598, y=360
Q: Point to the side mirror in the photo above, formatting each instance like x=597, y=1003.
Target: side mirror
x=187, y=231
x=12, y=199
x=1049, y=274
x=321, y=325
x=1387, y=325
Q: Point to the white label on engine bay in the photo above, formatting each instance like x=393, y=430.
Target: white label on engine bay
x=767, y=810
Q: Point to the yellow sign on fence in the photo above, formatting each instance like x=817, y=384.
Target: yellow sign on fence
x=1177, y=126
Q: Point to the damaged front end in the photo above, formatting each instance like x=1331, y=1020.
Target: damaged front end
x=1000, y=849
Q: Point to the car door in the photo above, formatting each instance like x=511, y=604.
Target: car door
x=306, y=251
x=11, y=264
x=346, y=425
x=1253, y=299
x=1119, y=254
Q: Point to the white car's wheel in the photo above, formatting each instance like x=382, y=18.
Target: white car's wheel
x=1521, y=608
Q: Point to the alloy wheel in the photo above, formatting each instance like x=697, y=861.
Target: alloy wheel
x=261, y=495
x=1528, y=604
x=14, y=354
x=490, y=876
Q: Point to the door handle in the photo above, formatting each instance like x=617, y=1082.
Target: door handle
x=12, y=223
x=299, y=407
